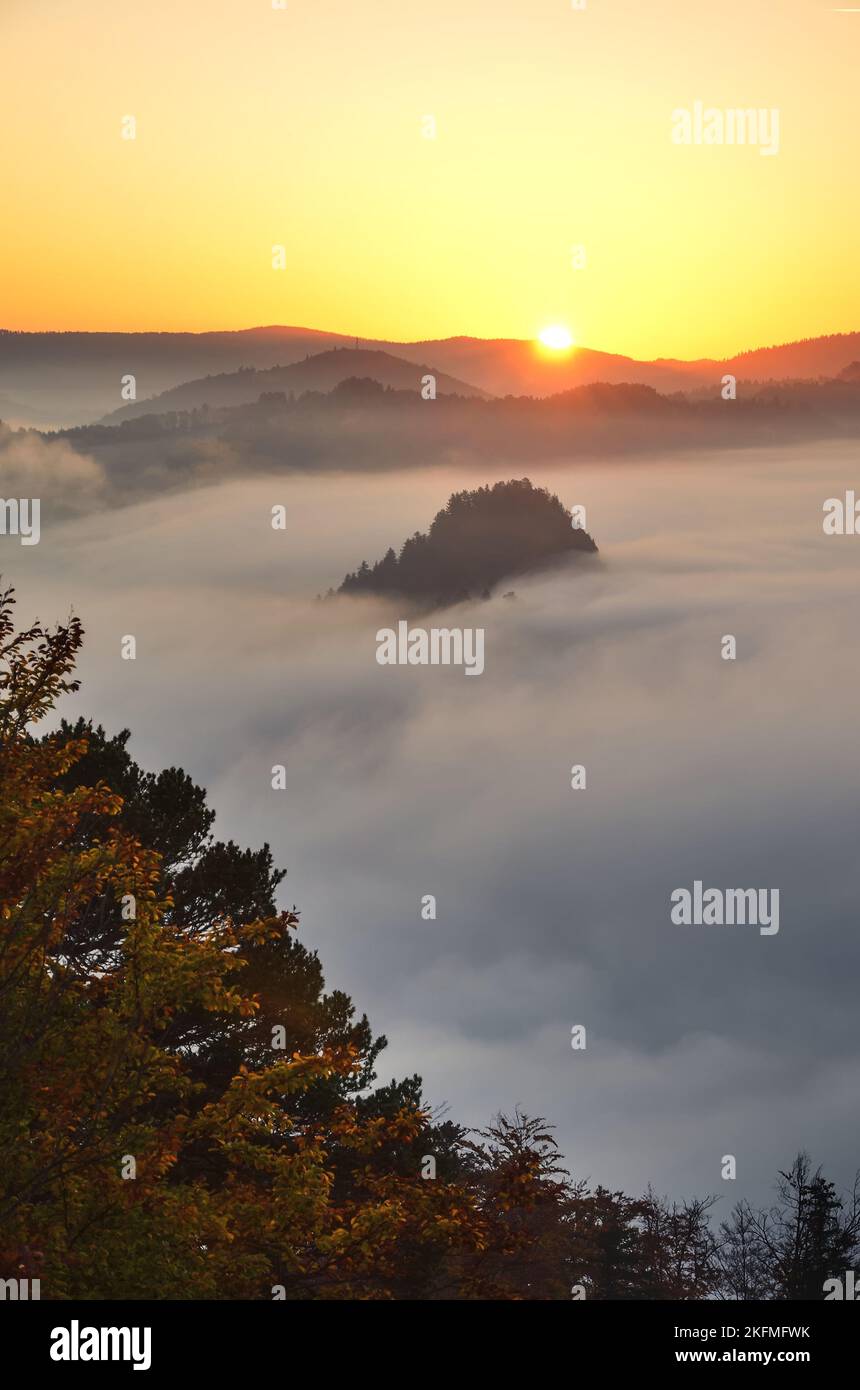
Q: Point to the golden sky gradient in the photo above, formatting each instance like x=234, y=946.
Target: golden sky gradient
x=303, y=127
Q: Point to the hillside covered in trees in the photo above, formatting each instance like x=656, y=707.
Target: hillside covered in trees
x=187, y=1112
x=479, y=538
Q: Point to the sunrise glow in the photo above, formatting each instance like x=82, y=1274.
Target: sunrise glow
x=412, y=201
x=556, y=337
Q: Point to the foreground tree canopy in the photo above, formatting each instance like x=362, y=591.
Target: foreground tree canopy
x=186, y=1112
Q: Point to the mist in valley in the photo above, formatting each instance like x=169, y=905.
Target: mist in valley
x=553, y=904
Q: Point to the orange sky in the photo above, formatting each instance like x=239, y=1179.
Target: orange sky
x=303, y=127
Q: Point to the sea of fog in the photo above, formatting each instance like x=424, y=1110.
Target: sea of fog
x=552, y=904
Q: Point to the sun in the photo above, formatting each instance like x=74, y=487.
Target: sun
x=556, y=337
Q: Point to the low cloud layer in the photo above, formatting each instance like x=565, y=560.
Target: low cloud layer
x=553, y=905
x=66, y=481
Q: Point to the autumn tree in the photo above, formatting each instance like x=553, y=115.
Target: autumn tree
x=206, y=880
x=184, y=1111
x=607, y=1256
x=678, y=1248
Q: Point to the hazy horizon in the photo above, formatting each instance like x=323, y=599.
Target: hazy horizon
x=349, y=337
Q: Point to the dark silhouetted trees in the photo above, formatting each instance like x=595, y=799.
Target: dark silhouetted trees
x=479, y=538
x=810, y=1234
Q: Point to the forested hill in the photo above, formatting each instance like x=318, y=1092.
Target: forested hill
x=479, y=538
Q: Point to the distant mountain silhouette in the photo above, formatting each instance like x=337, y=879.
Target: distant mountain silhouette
x=479, y=538
x=75, y=378
x=807, y=358
x=324, y=371
x=513, y=366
